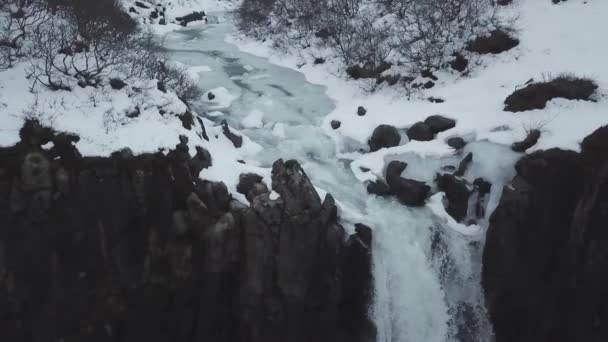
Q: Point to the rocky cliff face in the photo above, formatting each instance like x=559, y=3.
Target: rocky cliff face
x=137, y=248
x=545, y=262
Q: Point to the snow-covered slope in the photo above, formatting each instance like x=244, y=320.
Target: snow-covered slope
x=554, y=39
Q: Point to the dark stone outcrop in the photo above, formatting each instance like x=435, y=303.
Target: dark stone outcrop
x=194, y=16
x=137, y=248
x=236, y=140
x=438, y=123
x=420, y=131
x=379, y=188
x=457, y=195
x=384, y=136
x=409, y=192
x=464, y=165
x=367, y=71
x=530, y=140
x=545, y=270
x=335, y=124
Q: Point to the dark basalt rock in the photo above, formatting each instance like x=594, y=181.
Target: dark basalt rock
x=544, y=267
x=536, y=95
x=335, y=124
x=378, y=188
x=420, y=131
x=409, y=192
x=384, y=136
x=194, y=16
x=138, y=248
x=319, y=60
x=456, y=143
x=361, y=111
x=251, y=185
x=457, y=195
x=236, y=140
x=464, y=165
x=210, y=96
x=438, y=123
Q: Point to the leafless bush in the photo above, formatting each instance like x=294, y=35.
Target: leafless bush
x=18, y=18
x=176, y=78
x=429, y=31
x=66, y=52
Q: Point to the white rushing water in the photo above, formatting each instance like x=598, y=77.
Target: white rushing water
x=426, y=276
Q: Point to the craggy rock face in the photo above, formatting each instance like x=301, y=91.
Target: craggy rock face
x=137, y=248
x=545, y=270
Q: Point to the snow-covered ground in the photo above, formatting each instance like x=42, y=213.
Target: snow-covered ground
x=548, y=48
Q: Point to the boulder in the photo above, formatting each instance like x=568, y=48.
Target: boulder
x=335, y=124
x=420, y=131
x=543, y=261
x=384, y=136
x=361, y=111
x=409, y=192
x=117, y=84
x=459, y=63
x=236, y=140
x=438, y=123
x=378, y=188
x=456, y=143
x=457, y=195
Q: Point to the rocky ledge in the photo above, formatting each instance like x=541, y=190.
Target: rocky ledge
x=138, y=248
x=545, y=262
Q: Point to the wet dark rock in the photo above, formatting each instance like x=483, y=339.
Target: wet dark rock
x=409, y=192
x=464, y=165
x=187, y=119
x=210, y=96
x=141, y=5
x=236, y=140
x=496, y=42
x=335, y=124
x=457, y=195
x=319, y=60
x=200, y=161
x=378, y=188
x=505, y=2
x=438, y=123
x=459, y=63
x=134, y=113
x=544, y=259
x=361, y=111
x=429, y=85
x=384, y=136
x=138, y=248
x=364, y=169
x=456, y=143
x=117, y=84
x=530, y=140
x=483, y=188
x=194, y=16
x=420, y=131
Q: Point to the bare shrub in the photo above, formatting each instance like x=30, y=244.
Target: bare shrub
x=176, y=78
x=18, y=18
x=88, y=53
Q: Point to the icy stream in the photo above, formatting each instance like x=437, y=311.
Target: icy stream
x=426, y=275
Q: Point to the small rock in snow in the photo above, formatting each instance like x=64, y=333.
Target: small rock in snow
x=361, y=111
